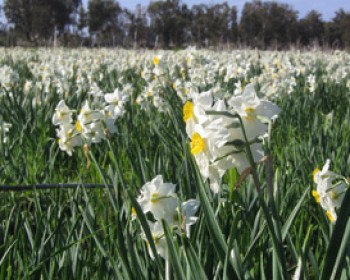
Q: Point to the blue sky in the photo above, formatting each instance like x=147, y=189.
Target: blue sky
x=326, y=7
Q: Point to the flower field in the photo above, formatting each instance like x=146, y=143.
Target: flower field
x=191, y=164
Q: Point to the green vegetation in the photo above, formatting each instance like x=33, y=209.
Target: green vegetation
x=84, y=233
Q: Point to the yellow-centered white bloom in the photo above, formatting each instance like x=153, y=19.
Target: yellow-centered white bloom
x=68, y=138
x=87, y=115
x=159, y=198
x=62, y=115
x=158, y=236
x=93, y=132
x=330, y=190
x=254, y=111
x=116, y=102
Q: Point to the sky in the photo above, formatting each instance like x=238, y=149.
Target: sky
x=326, y=7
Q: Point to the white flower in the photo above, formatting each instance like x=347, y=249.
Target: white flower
x=254, y=112
x=158, y=198
x=4, y=130
x=330, y=190
x=110, y=122
x=158, y=236
x=116, y=101
x=62, y=115
x=194, y=112
x=311, y=81
x=68, y=138
x=93, y=132
x=95, y=90
x=188, y=210
x=217, y=139
x=87, y=116
x=239, y=89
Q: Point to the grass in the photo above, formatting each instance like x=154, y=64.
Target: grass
x=241, y=234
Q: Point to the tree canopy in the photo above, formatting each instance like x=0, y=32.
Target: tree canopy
x=170, y=24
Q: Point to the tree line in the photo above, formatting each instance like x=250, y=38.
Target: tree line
x=169, y=24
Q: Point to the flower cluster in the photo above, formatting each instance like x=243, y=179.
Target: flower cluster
x=330, y=190
x=221, y=131
x=91, y=125
x=160, y=199
x=8, y=77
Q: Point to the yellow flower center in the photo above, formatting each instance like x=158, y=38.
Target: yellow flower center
x=334, y=195
x=198, y=144
x=188, y=111
x=330, y=216
x=156, y=60
x=314, y=173
x=155, y=239
x=78, y=126
x=155, y=197
x=316, y=196
x=250, y=111
x=133, y=212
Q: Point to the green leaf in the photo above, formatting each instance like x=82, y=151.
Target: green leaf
x=172, y=253
x=292, y=215
x=198, y=272
x=210, y=219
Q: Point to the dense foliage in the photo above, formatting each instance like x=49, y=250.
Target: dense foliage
x=271, y=230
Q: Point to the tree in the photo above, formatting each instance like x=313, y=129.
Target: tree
x=83, y=19
x=251, y=24
x=311, y=28
x=264, y=24
x=232, y=25
x=137, y=28
x=103, y=21
x=37, y=20
x=169, y=22
x=338, y=30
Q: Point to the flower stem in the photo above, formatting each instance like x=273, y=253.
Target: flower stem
x=273, y=227
x=167, y=270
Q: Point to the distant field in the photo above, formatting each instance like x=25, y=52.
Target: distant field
x=239, y=134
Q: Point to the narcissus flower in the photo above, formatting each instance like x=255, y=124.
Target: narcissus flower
x=116, y=102
x=188, y=210
x=62, y=115
x=87, y=115
x=158, y=236
x=254, y=111
x=68, y=138
x=158, y=197
x=93, y=132
x=330, y=190
x=194, y=111
x=218, y=142
x=4, y=130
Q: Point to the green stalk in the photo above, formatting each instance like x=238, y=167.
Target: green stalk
x=275, y=234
